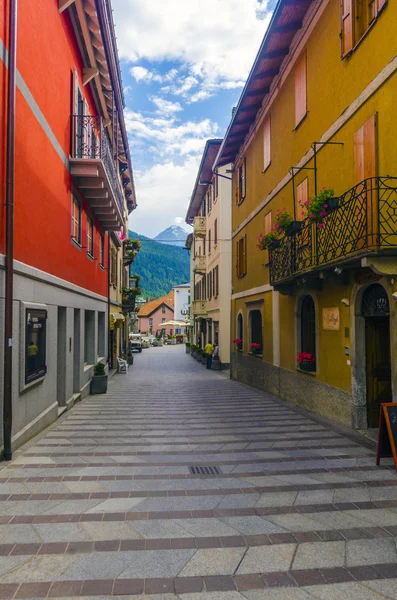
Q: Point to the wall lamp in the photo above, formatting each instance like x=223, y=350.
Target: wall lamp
x=345, y=301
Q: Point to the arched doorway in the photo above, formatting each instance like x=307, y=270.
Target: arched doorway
x=376, y=311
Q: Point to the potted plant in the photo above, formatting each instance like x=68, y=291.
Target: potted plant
x=187, y=347
x=99, y=381
x=130, y=358
x=203, y=358
x=317, y=209
x=172, y=340
x=268, y=241
x=239, y=343
x=256, y=348
x=306, y=362
x=216, y=363
x=284, y=223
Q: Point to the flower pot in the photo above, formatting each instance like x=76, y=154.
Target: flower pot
x=308, y=367
x=130, y=360
x=187, y=349
x=99, y=384
x=333, y=204
x=216, y=365
x=294, y=228
x=172, y=342
x=275, y=244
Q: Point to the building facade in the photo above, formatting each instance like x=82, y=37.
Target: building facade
x=315, y=118
x=181, y=305
x=155, y=312
x=72, y=188
x=209, y=212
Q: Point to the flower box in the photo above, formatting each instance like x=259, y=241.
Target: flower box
x=333, y=204
x=308, y=367
x=294, y=228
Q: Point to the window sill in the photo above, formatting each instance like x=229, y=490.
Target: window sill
x=88, y=366
x=312, y=373
x=102, y=267
x=267, y=167
x=90, y=256
x=76, y=244
x=301, y=121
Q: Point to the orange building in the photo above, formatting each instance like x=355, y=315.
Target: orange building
x=154, y=313
x=72, y=192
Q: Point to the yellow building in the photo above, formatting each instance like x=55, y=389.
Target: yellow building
x=318, y=111
x=209, y=212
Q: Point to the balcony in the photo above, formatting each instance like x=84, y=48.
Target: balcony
x=200, y=226
x=199, y=264
x=199, y=308
x=365, y=223
x=94, y=172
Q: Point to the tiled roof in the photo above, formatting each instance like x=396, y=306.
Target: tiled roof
x=150, y=307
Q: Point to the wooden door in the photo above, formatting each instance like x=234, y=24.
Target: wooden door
x=378, y=366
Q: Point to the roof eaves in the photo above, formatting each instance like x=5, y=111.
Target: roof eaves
x=207, y=147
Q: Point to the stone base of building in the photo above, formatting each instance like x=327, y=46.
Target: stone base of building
x=296, y=388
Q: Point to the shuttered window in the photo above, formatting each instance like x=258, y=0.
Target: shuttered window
x=209, y=241
x=365, y=151
x=216, y=283
x=301, y=89
x=241, y=184
x=266, y=143
x=215, y=232
x=356, y=17
x=347, y=26
x=302, y=194
x=242, y=256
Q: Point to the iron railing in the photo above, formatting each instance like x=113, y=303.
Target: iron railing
x=90, y=141
x=365, y=221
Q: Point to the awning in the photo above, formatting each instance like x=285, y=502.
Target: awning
x=116, y=319
x=172, y=324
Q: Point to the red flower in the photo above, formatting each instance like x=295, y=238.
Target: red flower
x=306, y=358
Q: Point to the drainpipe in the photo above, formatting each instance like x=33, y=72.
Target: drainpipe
x=9, y=262
x=110, y=351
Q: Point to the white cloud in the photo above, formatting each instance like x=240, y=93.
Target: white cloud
x=144, y=75
x=165, y=107
x=215, y=41
x=163, y=191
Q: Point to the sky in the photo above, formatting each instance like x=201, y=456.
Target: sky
x=184, y=64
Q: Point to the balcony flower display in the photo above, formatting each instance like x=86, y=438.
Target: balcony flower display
x=284, y=223
x=132, y=244
x=317, y=209
x=256, y=348
x=306, y=361
x=268, y=241
x=239, y=343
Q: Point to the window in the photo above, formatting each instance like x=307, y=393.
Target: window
x=102, y=250
x=365, y=151
x=240, y=331
x=242, y=256
x=203, y=289
x=101, y=334
x=76, y=221
x=300, y=90
x=89, y=337
x=113, y=266
x=241, y=182
x=163, y=320
x=209, y=199
x=209, y=241
x=151, y=322
x=35, y=344
x=209, y=285
x=356, y=18
x=216, y=183
x=163, y=310
x=308, y=326
x=302, y=194
x=255, y=317
x=90, y=237
x=216, y=281
x=266, y=143
x=215, y=232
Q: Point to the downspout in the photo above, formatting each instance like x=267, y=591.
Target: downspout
x=110, y=349
x=9, y=261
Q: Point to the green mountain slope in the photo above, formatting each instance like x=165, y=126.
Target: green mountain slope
x=160, y=266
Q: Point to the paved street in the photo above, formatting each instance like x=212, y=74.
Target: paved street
x=104, y=503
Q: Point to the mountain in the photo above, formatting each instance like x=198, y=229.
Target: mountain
x=173, y=236
x=160, y=266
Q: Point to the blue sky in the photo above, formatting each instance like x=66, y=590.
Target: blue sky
x=184, y=64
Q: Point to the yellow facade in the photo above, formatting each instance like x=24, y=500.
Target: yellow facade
x=342, y=95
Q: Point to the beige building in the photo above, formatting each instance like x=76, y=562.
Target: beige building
x=210, y=253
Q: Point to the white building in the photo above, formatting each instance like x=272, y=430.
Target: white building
x=181, y=304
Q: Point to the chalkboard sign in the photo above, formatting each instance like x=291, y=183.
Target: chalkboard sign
x=387, y=439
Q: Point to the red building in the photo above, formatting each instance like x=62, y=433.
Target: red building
x=72, y=191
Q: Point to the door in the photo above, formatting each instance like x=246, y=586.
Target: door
x=378, y=366
x=61, y=356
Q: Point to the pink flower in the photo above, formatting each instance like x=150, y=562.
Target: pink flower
x=321, y=225
x=280, y=229
x=325, y=205
x=303, y=213
x=311, y=216
x=324, y=188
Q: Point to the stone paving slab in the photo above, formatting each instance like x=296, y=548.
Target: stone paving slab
x=103, y=505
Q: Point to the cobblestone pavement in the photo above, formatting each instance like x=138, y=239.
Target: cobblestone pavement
x=103, y=504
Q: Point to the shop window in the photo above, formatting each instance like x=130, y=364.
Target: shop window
x=301, y=89
x=255, y=318
x=266, y=143
x=241, y=181
x=101, y=334
x=89, y=337
x=90, y=236
x=76, y=221
x=35, y=344
x=356, y=18
x=308, y=326
x=241, y=256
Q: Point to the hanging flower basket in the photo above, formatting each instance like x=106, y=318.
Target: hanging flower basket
x=293, y=228
x=268, y=241
x=317, y=209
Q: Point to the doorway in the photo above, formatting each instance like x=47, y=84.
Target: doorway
x=61, y=356
x=376, y=312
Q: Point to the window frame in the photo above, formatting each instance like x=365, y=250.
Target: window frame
x=354, y=40
x=241, y=256
x=76, y=223
x=303, y=334
x=41, y=317
x=241, y=181
x=102, y=250
x=258, y=337
x=90, y=238
x=301, y=89
x=215, y=233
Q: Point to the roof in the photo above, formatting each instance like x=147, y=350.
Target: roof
x=286, y=21
x=182, y=285
x=150, y=307
x=204, y=174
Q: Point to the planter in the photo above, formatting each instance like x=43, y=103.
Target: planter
x=172, y=342
x=99, y=384
x=256, y=352
x=130, y=360
x=216, y=365
x=308, y=367
x=203, y=360
x=333, y=204
x=274, y=245
x=187, y=349
x=294, y=228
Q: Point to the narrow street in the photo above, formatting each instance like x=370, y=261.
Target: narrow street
x=104, y=504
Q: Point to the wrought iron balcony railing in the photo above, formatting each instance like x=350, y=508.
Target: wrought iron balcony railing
x=91, y=145
x=364, y=222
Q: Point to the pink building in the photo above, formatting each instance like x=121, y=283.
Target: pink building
x=156, y=312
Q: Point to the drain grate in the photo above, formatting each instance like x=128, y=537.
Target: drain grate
x=205, y=470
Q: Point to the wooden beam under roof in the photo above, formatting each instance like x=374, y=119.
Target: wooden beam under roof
x=88, y=74
x=276, y=53
x=294, y=26
x=268, y=73
x=64, y=4
x=243, y=121
x=252, y=107
x=262, y=91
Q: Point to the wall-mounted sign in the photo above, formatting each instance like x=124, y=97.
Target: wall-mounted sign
x=331, y=319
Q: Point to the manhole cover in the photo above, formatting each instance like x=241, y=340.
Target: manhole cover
x=205, y=470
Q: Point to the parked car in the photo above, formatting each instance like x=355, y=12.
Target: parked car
x=135, y=342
